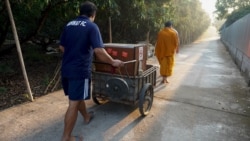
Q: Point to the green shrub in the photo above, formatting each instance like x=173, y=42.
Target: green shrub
x=6, y=68
x=45, y=80
x=3, y=90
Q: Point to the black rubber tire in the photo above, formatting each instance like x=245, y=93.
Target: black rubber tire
x=146, y=99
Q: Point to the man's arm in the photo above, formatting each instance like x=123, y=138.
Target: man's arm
x=105, y=57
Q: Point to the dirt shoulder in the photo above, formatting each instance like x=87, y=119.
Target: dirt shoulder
x=40, y=68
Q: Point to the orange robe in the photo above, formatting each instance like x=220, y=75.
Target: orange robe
x=166, y=46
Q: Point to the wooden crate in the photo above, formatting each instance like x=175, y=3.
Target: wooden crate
x=125, y=52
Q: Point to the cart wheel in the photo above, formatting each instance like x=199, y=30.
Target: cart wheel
x=99, y=100
x=146, y=99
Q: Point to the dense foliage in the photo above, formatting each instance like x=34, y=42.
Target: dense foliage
x=190, y=19
x=41, y=21
x=231, y=10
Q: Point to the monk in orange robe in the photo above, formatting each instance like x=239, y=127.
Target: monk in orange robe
x=167, y=45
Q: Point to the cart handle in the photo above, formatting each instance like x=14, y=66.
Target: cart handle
x=126, y=62
x=132, y=61
x=112, y=67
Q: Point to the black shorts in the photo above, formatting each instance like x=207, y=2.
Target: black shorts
x=77, y=89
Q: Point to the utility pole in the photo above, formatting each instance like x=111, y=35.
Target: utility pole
x=110, y=25
x=18, y=48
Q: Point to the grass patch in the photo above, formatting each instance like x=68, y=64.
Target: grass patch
x=5, y=68
x=46, y=80
x=3, y=90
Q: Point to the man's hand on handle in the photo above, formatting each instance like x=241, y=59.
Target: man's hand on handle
x=117, y=63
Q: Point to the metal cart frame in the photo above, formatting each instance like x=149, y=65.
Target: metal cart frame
x=131, y=90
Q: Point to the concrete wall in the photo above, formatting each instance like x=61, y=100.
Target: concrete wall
x=237, y=39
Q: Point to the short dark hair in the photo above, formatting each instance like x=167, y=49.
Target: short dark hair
x=88, y=8
x=168, y=24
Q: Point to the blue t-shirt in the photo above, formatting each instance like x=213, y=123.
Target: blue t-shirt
x=79, y=38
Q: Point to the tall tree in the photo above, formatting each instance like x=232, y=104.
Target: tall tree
x=190, y=19
x=225, y=7
x=132, y=20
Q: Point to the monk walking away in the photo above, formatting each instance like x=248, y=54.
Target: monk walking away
x=167, y=44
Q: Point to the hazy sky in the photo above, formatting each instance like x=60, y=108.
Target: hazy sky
x=209, y=6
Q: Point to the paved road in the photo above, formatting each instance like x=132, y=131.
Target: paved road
x=207, y=99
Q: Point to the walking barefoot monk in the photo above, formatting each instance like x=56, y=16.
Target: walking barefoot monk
x=166, y=46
